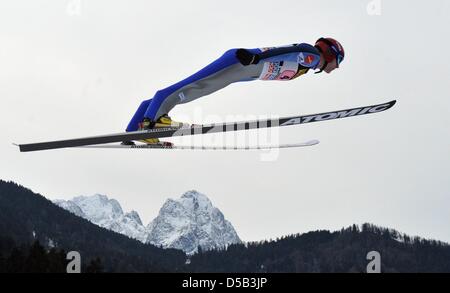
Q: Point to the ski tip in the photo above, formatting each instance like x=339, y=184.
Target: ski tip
x=391, y=104
x=19, y=146
x=313, y=142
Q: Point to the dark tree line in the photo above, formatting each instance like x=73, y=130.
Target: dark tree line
x=325, y=251
x=37, y=259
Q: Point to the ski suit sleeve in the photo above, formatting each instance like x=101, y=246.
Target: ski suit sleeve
x=305, y=54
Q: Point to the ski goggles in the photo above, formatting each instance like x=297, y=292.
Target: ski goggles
x=339, y=59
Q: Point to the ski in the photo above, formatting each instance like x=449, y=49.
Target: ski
x=193, y=147
x=206, y=128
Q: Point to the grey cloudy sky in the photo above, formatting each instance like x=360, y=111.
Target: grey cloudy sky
x=80, y=68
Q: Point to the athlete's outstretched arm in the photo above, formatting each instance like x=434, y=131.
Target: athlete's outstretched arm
x=296, y=48
x=247, y=58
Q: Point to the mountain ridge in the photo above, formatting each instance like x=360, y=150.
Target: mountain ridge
x=191, y=222
x=185, y=223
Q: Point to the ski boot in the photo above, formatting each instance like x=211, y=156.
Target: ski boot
x=163, y=122
x=146, y=124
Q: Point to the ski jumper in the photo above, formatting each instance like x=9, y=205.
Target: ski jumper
x=276, y=63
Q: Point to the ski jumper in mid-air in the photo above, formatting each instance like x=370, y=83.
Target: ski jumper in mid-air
x=236, y=65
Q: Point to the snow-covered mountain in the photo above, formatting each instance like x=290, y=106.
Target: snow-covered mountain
x=106, y=213
x=189, y=222
x=185, y=223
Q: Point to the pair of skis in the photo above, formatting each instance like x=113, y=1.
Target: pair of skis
x=209, y=148
x=103, y=141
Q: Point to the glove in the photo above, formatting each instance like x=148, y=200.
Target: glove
x=246, y=58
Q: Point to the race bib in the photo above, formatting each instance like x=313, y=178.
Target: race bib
x=280, y=70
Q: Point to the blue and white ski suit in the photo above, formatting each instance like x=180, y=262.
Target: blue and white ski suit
x=276, y=63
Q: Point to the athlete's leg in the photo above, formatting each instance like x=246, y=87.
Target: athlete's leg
x=209, y=85
x=138, y=116
x=154, y=110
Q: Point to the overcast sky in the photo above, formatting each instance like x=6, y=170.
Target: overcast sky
x=80, y=68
